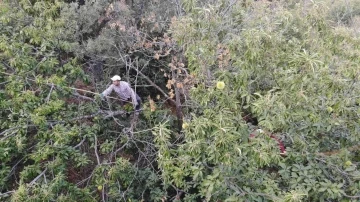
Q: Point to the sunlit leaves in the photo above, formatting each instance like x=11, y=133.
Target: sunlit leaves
x=292, y=69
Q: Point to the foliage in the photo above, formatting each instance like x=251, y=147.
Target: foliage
x=287, y=65
x=203, y=67
x=55, y=144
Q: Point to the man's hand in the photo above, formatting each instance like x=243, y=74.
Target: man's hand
x=99, y=97
x=102, y=96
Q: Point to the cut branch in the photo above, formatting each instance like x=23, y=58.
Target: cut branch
x=114, y=113
x=83, y=97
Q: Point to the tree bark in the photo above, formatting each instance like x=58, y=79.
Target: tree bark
x=179, y=113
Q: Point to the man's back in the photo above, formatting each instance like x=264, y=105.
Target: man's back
x=123, y=90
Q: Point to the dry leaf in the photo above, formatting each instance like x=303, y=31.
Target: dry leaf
x=171, y=94
x=152, y=105
x=168, y=85
x=179, y=85
x=156, y=56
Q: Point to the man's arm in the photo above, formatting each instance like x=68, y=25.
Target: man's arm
x=107, y=91
x=133, y=95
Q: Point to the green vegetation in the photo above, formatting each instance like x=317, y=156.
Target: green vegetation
x=222, y=82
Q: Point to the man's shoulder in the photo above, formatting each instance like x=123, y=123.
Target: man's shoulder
x=124, y=83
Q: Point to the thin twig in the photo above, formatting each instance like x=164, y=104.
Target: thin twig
x=48, y=97
x=38, y=177
x=96, y=152
x=80, y=143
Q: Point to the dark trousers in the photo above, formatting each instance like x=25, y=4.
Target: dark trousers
x=129, y=100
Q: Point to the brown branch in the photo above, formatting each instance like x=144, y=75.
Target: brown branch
x=83, y=97
x=179, y=113
x=333, y=152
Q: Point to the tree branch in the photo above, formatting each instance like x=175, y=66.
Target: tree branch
x=38, y=177
x=8, y=130
x=153, y=84
x=350, y=196
x=179, y=113
x=48, y=97
x=6, y=193
x=96, y=152
x=113, y=113
x=329, y=153
x=80, y=143
x=83, y=97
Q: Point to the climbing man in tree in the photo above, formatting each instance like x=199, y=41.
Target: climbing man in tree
x=124, y=91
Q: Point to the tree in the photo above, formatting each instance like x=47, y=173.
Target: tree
x=293, y=69
x=225, y=80
x=57, y=143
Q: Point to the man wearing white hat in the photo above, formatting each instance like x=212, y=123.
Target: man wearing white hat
x=124, y=91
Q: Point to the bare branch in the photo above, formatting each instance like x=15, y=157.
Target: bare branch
x=8, y=130
x=80, y=143
x=179, y=113
x=6, y=193
x=333, y=152
x=48, y=97
x=96, y=152
x=38, y=177
x=114, y=113
x=83, y=97
x=350, y=196
x=153, y=84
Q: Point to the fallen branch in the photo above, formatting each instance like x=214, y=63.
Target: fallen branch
x=113, y=113
x=10, y=129
x=83, y=97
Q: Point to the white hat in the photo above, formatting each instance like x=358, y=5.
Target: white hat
x=116, y=78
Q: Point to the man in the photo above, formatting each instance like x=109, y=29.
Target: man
x=124, y=91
